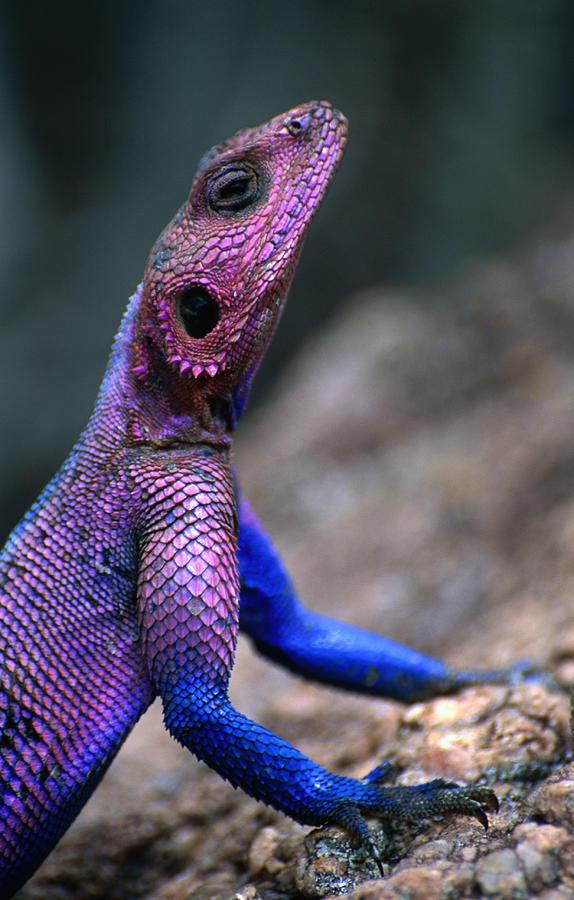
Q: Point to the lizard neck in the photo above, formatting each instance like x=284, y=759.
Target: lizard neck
x=155, y=408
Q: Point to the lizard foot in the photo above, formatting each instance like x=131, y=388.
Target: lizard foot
x=408, y=803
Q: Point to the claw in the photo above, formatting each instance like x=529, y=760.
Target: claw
x=374, y=854
x=475, y=800
x=492, y=802
x=479, y=814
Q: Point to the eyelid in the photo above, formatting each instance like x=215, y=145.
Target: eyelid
x=234, y=174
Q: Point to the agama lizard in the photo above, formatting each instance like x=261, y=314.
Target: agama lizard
x=133, y=571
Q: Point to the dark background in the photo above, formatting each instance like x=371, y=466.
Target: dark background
x=462, y=132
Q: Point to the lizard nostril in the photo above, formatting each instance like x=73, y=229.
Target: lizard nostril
x=199, y=311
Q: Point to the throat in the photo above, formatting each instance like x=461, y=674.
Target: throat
x=160, y=424
x=153, y=405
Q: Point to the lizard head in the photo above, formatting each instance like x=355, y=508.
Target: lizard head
x=217, y=277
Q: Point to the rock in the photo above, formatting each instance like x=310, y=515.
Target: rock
x=539, y=854
x=499, y=875
x=484, y=728
x=262, y=852
x=555, y=801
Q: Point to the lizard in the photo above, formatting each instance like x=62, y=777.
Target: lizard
x=131, y=574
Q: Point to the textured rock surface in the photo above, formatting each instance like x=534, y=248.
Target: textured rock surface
x=424, y=454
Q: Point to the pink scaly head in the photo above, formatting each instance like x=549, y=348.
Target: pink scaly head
x=217, y=278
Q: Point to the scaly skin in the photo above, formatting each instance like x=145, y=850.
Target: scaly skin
x=131, y=574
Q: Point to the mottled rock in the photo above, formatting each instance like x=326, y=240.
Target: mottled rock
x=499, y=875
x=485, y=728
x=439, y=849
x=262, y=852
x=332, y=863
x=555, y=801
x=538, y=854
x=369, y=890
x=418, y=884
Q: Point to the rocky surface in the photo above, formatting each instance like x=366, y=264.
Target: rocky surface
x=417, y=472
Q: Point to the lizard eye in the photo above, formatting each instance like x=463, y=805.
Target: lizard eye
x=199, y=311
x=233, y=189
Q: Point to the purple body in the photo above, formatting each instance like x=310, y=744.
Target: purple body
x=131, y=574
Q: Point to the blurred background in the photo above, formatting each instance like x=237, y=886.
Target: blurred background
x=461, y=138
